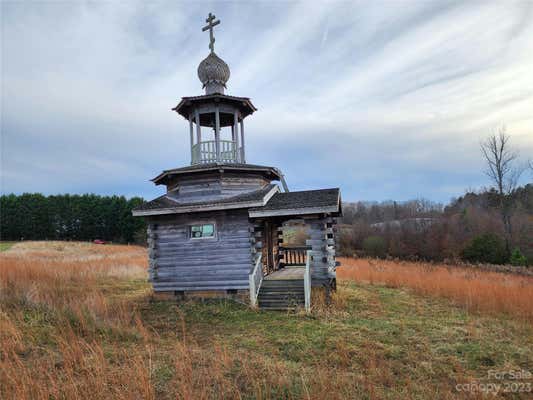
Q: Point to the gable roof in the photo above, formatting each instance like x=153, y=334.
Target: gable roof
x=300, y=203
x=167, y=204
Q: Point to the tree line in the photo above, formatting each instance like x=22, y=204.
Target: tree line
x=469, y=228
x=33, y=216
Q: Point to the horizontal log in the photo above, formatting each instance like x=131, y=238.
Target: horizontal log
x=207, y=266
x=240, y=282
x=207, y=243
x=199, y=288
x=201, y=253
x=201, y=277
x=241, y=234
x=212, y=263
x=221, y=269
x=203, y=268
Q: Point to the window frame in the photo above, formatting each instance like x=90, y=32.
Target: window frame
x=190, y=226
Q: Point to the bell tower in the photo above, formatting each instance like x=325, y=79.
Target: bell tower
x=216, y=120
x=219, y=226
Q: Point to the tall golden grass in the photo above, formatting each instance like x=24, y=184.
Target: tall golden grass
x=54, y=312
x=476, y=290
x=76, y=323
x=67, y=333
x=59, y=275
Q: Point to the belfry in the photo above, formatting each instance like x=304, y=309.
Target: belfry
x=214, y=114
x=224, y=227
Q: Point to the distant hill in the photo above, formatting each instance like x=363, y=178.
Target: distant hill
x=522, y=198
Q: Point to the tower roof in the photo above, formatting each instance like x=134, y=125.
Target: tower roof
x=269, y=172
x=187, y=104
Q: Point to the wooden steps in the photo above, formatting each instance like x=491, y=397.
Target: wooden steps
x=281, y=294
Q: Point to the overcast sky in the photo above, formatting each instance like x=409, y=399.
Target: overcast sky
x=386, y=100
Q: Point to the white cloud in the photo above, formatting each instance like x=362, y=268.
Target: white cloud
x=365, y=95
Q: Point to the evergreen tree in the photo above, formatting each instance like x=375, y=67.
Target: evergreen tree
x=32, y=216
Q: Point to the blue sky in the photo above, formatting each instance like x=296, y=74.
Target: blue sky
x=387, y=100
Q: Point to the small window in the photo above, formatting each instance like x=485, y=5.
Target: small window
x=202, y=231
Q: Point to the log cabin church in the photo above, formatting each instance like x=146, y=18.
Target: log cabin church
x=226, y=228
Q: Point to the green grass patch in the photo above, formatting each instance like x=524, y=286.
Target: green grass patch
x=6, y=245
x=411, y=340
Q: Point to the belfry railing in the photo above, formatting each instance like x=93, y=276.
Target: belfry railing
x=206, y=152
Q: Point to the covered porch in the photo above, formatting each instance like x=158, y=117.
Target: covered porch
x=293, y=248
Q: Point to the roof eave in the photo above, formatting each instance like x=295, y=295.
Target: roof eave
x=185, y=100
x=158, y=180
x=189, y=209
x=213, y=207
x=293, y=211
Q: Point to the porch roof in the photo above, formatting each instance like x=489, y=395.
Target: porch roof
x=300, y=203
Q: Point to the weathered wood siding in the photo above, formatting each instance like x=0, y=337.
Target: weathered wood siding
x=180, y=263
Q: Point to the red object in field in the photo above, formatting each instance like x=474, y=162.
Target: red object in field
x=98, y=241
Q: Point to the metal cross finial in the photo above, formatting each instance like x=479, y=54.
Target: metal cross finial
x=210, y=24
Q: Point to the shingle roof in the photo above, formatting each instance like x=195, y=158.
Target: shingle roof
x=302, y=202
x=168, y=205
x=271, y=171
x=243, y=103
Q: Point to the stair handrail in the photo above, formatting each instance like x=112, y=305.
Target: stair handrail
x=307, y=282
x=256, y=278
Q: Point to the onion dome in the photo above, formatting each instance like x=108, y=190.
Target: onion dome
x=213, y=72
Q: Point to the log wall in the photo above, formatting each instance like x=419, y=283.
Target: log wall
x=180, y=263
x=322, y=243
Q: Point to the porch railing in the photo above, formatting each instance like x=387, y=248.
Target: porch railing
x=255, y=278
x=307, y=282
x=293, y=255
x=206, y=152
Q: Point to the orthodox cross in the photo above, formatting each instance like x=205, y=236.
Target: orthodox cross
x=210, y=24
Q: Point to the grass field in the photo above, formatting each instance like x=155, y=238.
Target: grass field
x=77, y=322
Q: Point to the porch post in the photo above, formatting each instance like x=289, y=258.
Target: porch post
x=257, y=239
x=198, y=137
x=243, y=158
x=192, y=137
x=235, y=130
x=217, y=132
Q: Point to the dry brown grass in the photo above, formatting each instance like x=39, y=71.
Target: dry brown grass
x=55, y=311
x=477, y=290
x=72, y=328
x=52, y=273
x=77, y=322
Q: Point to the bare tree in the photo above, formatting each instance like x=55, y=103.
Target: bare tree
x=503, y=172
